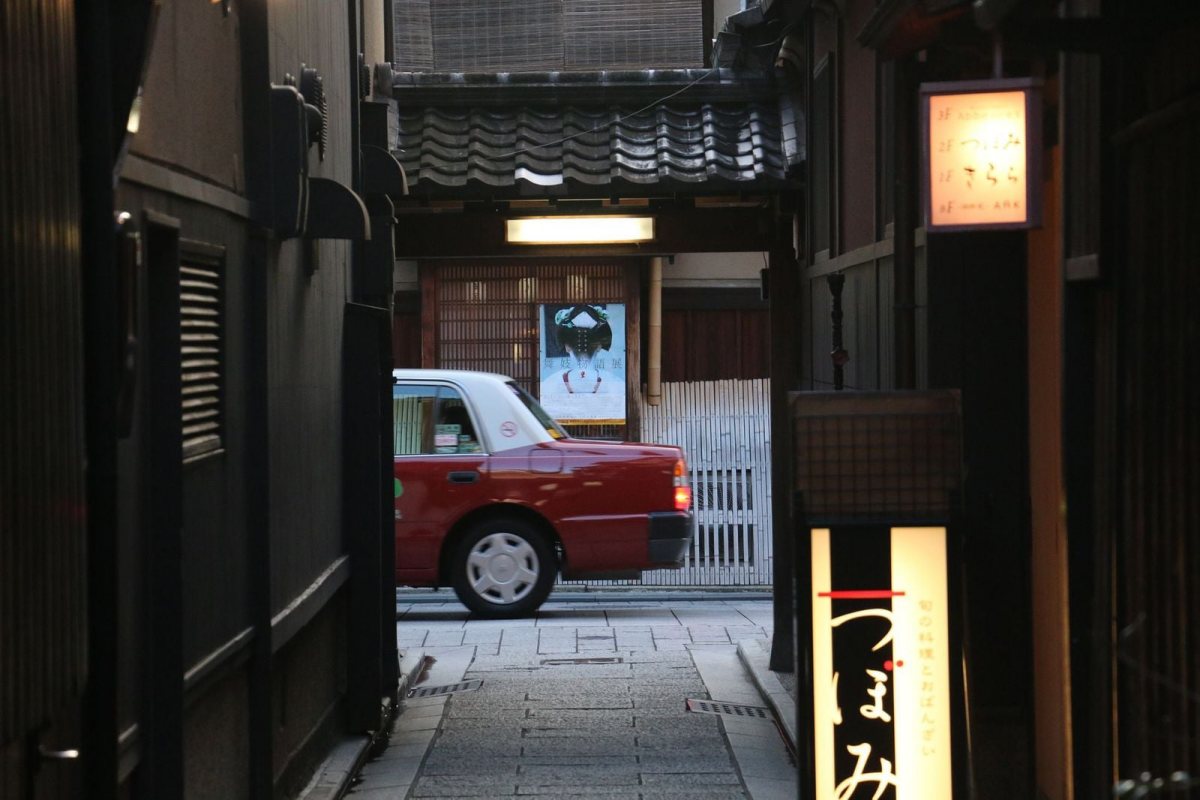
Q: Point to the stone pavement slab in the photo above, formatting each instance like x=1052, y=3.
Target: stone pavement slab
x=547, y=723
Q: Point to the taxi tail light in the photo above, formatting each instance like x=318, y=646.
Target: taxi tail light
x=683, y=491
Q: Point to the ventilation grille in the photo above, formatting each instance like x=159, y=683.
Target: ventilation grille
x=450, y=688
x=727, y=709
x=202, y=351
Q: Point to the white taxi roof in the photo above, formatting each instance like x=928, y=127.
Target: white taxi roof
x=501, y=419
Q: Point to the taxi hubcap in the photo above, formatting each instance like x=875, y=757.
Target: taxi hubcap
x=502, y=568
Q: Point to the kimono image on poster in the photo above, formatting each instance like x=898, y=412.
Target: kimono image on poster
x=582, y=357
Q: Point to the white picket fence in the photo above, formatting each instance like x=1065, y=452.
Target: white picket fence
x=724, y=428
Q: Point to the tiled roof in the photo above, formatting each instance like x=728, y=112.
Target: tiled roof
x=601, y=135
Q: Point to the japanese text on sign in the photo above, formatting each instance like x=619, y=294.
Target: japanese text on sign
x=881, y=669
x=978, y=154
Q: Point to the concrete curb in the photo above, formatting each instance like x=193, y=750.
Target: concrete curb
x=332, y=779
x=757, y=659
x=605, y=594
x=412, y=661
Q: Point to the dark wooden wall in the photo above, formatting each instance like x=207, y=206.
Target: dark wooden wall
x=714, y=344
x=406, y=330
x=236, y=641
x=1153, y=487
x=43, y=586
x=715, y=334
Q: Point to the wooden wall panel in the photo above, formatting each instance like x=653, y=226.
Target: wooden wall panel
x=192, y=129
x=1158, y=560
x=715, y=344
x=42, y=504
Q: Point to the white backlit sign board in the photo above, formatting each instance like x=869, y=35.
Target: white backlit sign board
x=881, y=667
x=980, y=142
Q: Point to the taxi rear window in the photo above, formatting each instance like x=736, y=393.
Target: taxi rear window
x=545, y=420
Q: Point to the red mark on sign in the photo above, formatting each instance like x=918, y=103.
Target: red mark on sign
x=509, y=429
x=863, y=594
x=889, y=665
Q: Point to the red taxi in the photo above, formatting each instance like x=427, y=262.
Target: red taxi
x=494, y=499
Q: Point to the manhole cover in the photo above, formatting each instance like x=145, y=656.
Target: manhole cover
x=727, y=709
x=557, y=662
x=450, y=688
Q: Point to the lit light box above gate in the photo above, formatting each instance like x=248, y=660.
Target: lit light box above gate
x=587, y=229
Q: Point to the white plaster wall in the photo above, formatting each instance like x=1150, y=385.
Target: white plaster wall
x=714, y=271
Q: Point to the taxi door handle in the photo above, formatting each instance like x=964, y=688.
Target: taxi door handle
x=466, y=476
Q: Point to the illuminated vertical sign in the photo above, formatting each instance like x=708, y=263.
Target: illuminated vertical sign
x=881, y=664
x=981, y=142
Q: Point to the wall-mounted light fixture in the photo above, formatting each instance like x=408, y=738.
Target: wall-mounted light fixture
x=594, y=229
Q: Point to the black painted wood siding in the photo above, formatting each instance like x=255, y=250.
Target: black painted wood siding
x=42, y=508
x=1157, y=501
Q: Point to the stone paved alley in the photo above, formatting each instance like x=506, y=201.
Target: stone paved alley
x=587, y=699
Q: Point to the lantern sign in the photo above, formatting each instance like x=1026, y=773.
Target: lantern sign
x=881, y=664
x=981, y=145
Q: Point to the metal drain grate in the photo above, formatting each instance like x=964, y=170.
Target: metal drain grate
x=728, y=709
x=558, y=662
x=450, y=688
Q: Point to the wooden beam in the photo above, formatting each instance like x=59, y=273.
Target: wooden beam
x=481, y=235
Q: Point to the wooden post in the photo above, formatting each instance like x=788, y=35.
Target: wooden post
x=429, y=316
x=904, y=201
x=633, y=354
x=784, y=281
x=654, y=333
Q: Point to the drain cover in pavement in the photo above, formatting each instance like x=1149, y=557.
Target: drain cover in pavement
x=727, y=709
x=450, y=688
x=558, y=662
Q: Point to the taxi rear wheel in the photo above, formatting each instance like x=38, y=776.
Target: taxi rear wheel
x=503, y=568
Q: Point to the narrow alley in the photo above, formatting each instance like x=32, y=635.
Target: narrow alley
x=630, y=399
x=589, y=699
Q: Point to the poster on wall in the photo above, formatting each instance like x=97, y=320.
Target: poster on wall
x=582, y=358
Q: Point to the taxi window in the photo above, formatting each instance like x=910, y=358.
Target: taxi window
x=555, y=430
x=412, y=415
x=431, y=420
x=454, y=431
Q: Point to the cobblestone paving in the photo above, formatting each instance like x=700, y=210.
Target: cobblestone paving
x=544, y=725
